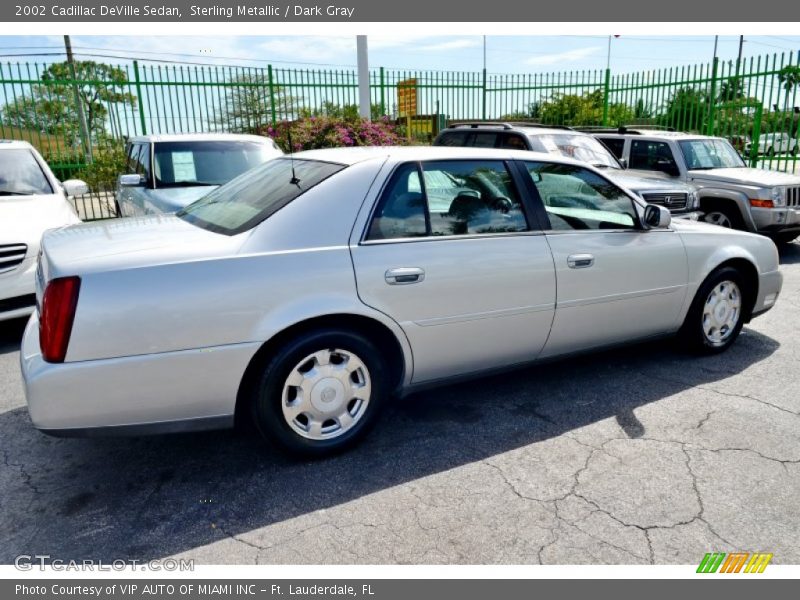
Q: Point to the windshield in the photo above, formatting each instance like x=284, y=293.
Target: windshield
x=206, y=163
x=247, y=200
x=21, y=174
x=580, y=147
x=710, y=154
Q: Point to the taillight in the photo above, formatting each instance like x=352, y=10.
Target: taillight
x=58, y=312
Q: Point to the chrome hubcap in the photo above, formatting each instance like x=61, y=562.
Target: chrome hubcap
x=326, y=394
x=718, y=218
x=722, y=312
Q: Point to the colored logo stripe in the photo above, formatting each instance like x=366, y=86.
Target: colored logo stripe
x=733, y=563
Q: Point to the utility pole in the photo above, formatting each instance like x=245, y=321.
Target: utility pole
x=84, y=129
x=363, y=77
x=741, y=43
x=716, y=42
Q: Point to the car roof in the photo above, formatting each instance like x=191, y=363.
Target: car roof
x=511, y=126
x=350, y=156
x=200, y=137
x=15, y=144
x=635, y=132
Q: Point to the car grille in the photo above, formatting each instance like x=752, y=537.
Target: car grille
x=26, y=301
x=11, y=255
x=793, y=196
x=670, y=201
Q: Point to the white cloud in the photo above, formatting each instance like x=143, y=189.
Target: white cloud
x=562, y=57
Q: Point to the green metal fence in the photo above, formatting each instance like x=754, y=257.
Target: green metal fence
x=742, y=101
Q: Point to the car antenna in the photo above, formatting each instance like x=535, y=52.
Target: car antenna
x=294, y=180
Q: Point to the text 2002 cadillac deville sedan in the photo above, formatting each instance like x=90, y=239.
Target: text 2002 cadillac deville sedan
x=305, y=292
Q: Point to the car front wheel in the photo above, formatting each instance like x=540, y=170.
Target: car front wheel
x=716, y=315
x=321, y=393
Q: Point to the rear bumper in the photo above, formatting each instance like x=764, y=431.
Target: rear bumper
x=187, y=390
x=769, y=288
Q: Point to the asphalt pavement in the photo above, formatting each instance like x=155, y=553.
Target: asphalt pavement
x=638, y=455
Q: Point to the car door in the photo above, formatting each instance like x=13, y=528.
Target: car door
x=616, y=280
x=451, y=254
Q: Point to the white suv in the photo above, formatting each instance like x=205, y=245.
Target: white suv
x=31, y=201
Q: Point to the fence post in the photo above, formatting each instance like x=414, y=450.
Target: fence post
x=383, y=97
x=712, y=99
x=606, y=90
x=139, y=96
x=484, y=95
x=271, y=93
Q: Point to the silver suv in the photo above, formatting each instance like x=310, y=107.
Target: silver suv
x=678, y=197
x=168, y=172
x=731, y=193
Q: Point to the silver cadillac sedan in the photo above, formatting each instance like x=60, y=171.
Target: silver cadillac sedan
x=306, y=293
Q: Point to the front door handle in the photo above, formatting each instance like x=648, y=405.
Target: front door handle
x=580, y=261
x=404, y=275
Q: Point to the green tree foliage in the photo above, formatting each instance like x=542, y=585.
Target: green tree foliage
x=50, y=108
x=686, y=109
x=248, y=104
x=572, y=109
x=108, y=161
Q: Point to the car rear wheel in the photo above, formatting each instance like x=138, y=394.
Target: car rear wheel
x=716, y=315
x=321, y=393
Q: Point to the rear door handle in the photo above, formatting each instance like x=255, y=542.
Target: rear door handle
x=404, y=275
x=580, y=261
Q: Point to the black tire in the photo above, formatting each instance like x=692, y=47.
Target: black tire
x=770, y=151
x=784, y=238
x=692, y=335
x=267, y=398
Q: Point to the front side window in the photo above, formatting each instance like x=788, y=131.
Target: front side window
x=650, y=155
x=191, y=163
x=142, y=166
x=248, y=200
x=705, y=154
x=578, y=199
x=21, y=174
x=443, y=198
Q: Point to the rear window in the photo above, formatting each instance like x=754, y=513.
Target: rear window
x=251, y=198
x=190, y=163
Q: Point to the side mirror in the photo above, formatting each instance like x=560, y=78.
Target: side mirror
x=623, y=162
x=133, y=180
x=667, y=166
x=75, y=187
x=656, y=217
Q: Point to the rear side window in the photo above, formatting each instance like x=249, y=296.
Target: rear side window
x=444, y=198
x=453, y=138
x=615, y=145
x=247, y=200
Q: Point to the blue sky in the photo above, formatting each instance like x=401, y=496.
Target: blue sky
x=505, y=54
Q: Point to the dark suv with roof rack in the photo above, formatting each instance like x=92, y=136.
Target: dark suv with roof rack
x=731, y=193
x=679, y=198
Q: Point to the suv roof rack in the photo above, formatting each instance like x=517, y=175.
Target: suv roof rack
x=504, y=125
x=633, y=130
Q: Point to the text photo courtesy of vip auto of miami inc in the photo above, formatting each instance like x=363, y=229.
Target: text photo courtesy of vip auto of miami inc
x=387, y=299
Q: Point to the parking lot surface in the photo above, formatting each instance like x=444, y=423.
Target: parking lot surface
x=637, y=455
